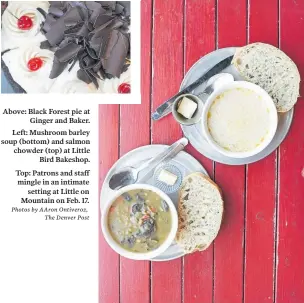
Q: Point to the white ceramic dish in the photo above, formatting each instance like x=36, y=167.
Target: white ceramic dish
x=183, y=161
x=194, y=132
x=197, y=116
x=132, y=255
x=273, y=117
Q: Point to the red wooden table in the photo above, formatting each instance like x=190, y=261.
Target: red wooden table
x=258, y=255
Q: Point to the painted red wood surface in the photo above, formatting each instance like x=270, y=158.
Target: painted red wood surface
x=229, y=245
x=109, y=291
x=260, y=217
x=167, y=75
x=135, y=284
x=258, y=255
x=290, y=251
x=199, y=40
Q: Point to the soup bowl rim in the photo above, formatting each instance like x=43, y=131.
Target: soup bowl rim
x=133, y=255
x=273, y=118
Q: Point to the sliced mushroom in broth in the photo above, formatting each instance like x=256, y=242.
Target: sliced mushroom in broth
x=139, y=220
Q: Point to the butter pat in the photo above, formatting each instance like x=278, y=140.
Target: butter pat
x=167, y=177
x=187, y=107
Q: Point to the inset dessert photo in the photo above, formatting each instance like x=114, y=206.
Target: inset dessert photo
x=65, y=47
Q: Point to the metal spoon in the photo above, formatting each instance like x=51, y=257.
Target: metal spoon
x=129, y=175
x=216, y=82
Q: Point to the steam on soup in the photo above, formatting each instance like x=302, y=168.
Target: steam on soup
x=139, y=220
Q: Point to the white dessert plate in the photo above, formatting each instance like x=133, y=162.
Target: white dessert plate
x=183, y=161
x=195, y=134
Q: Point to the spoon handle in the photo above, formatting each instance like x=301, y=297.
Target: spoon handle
x=164, y=156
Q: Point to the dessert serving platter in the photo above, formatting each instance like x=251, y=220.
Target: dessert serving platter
x=194, y=133
x=183, y=162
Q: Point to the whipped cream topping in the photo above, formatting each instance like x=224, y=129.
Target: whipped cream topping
x=31, y=81
x=78, y=87
x=12, y=36
x=111, y=85
x=34, y=51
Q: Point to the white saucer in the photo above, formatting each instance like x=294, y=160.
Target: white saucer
x=194, y=132
x=185, y=162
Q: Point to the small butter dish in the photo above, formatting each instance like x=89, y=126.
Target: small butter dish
x=187, y=109
x=175, y=170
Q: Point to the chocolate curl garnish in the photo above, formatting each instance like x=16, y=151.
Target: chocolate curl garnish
x=114, y=53
x=42, y=12
x=45, y=45
x=62, y=57
x=94, y=33
x=56, y=11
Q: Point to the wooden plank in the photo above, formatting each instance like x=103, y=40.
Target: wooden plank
x=261, y=176
x=198, y=277
x=290, y=261
x=260, y=228
x=108, y=155
x=232, y=22
x=229, y=245
x=263, y=21
x=199, y=36
x=167, y=64
x=199, y=40
x=167, y=75
x=135, y=132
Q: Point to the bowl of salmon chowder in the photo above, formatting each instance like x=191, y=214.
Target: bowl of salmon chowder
x=139, y=222
x=239, y=119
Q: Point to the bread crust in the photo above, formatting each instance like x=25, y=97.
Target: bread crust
x=205, y=177
x=283, y=105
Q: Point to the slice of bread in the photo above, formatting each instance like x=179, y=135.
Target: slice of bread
x=270, y=68
x=200, y=211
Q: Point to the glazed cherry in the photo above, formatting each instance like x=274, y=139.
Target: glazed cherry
x=34, y=64
x=124, y=88
x=25, y=23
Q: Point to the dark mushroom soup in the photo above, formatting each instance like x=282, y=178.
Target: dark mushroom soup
x=139, y=220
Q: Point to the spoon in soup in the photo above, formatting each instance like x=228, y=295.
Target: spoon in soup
x=129, y=175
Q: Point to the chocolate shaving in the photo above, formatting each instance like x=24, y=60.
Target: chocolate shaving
x=94, y=33
x=42, y=12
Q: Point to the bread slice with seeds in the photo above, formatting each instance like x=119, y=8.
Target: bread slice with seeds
x=200, y=211
x=271, y=69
